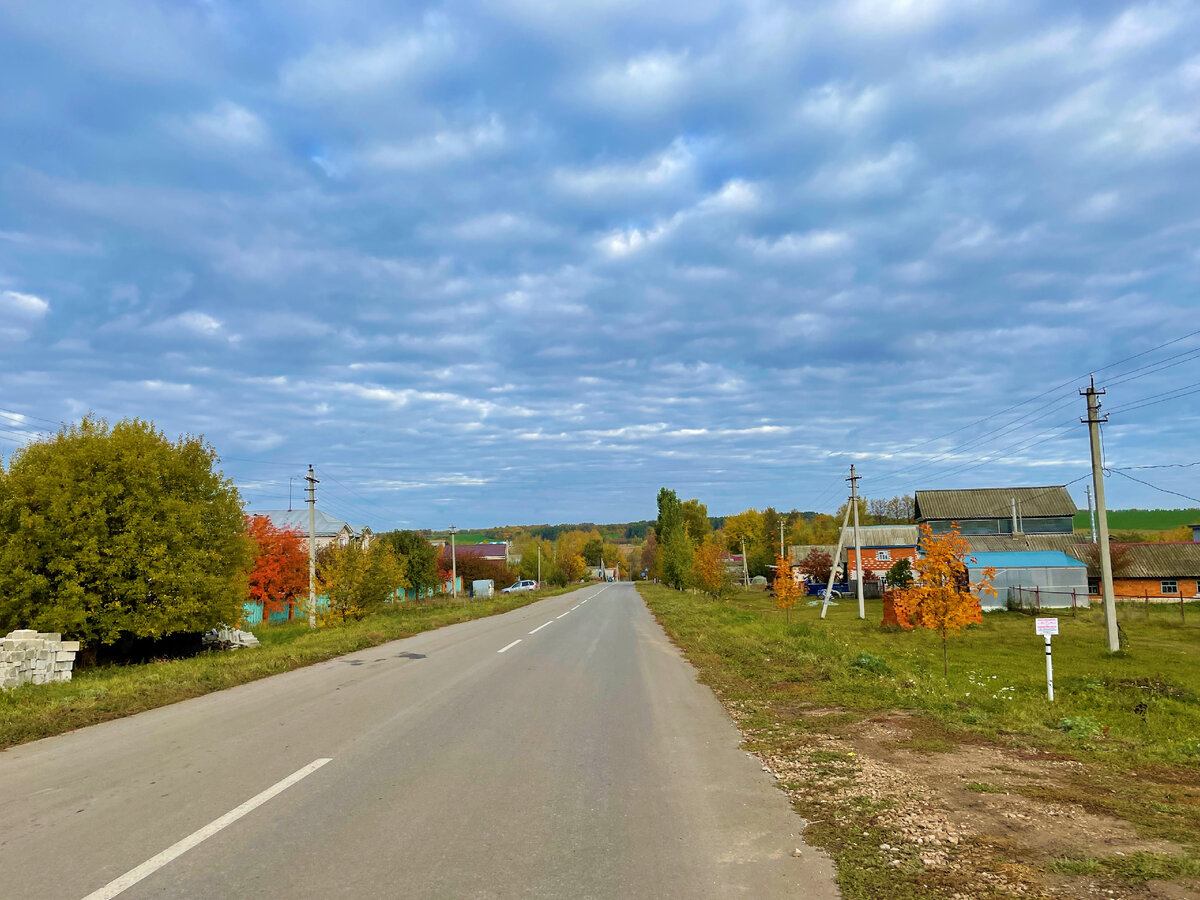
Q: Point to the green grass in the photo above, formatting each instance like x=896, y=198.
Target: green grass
x=1137, y=709
x=1142, y=519
x=110, y=692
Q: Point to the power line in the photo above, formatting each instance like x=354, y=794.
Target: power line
x=1155, y=486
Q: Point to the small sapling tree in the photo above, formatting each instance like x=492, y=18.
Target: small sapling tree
x=787, y=592
x=941, y=598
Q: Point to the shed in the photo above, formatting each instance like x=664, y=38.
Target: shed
x=1044, y=577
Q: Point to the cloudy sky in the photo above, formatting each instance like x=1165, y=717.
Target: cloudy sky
x=526, y=260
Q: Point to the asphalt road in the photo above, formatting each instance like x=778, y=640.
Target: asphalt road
x=561, y=750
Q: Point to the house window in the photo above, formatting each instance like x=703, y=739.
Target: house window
x=883, y=555
x=1094, y=586
x=1170, y=586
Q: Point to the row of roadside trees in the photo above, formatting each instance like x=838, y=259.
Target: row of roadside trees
x=116, y=535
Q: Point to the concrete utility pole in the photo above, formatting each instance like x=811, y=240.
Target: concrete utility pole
x=781, y=537
x=1087, y=489
x=453, y=567
x=312, y=547
x=836, y=556
x=539, y=562
x=745, y=566
x=853, y=479
x=1093, y=421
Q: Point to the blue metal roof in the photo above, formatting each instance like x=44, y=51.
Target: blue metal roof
x=1024, y=559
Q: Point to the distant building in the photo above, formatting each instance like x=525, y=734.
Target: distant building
x=328, y=529
x=497, y=551
x=882, y=545
x=1043, y=578
x=1158, y=571
x=981, y=511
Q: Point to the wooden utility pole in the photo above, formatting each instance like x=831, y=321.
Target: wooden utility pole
x=745, y=566
x=453, y=567
x=853, y=479
x=1093, y=421
x=312, y=547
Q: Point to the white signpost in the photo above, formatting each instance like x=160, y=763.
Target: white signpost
x=1048, y=627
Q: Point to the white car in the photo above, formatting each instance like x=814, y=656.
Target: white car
x=525, y=584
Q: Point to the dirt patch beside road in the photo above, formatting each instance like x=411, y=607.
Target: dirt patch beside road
x=961, y=820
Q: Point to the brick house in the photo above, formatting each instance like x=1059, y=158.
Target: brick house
x=882, y=545
x=1158, y=571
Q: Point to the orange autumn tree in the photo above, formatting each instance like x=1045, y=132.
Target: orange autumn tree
x=787, y=592
x=280, y=571
x=941, y=597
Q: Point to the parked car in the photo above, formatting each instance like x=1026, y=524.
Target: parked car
x=817, y=589
x=525, y=584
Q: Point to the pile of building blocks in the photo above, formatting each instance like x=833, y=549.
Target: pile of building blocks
x=32, y=657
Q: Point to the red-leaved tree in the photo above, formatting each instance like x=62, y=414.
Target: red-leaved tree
x=280, y=571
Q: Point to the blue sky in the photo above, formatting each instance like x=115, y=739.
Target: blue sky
x=522, y=261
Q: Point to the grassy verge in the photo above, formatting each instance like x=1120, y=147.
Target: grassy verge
x=97, y=695
x=1124, y=728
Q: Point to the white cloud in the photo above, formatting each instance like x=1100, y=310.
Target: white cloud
x=1136, y=28
x=627, y=241
x=805, y=245
x=839, y=107
x=226, y=123
x=643, y=83
x=346, y=69
x=27, y=307
x=736, y=195
x=673, y=166
x=440, y=148
x=867, y=175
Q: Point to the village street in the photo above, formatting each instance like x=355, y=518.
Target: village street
x=562, y=749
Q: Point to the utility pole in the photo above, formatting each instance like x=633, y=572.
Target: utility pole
x=453, y=567
x=745, y=566
x=312, y=547
x=291, y=478
x=539, y=562
x=837, y=555
x=1087, y=489
x=853, y=479
x=781, y=537
x=1093, y=421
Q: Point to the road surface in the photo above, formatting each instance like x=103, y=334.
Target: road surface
x=564, y=749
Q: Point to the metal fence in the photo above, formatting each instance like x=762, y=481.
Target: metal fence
x=1034, y=600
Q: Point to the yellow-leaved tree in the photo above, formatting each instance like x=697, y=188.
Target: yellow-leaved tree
x=941, y=597
x=709, y=573
x=787, y=592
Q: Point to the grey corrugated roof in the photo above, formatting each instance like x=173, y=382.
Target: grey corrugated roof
x=1000, y=543
x=873, y=536
x=1165, y=560
x=297, y=520
x=799, y=551
x=994, y=503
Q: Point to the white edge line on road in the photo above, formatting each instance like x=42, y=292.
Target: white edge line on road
x=510, y=646
x=568, y=612
x=573, y=608
x=154, y=863
x=540, y=627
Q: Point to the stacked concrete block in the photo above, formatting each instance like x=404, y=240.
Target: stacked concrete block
x=32, y=657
